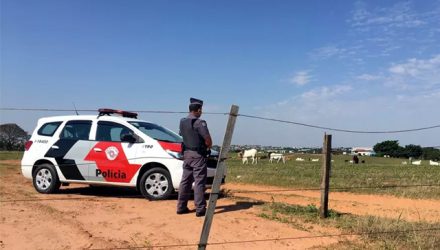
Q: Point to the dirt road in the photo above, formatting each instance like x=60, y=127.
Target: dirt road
x=80, y=217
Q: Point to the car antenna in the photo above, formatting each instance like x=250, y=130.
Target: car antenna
x=76, y=111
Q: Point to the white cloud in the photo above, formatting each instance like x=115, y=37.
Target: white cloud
x=326, y=92
x=415, y=74
x=399, y=15
x=340, y=107
x=414, y=67
x=368, y=77
x=385, y=31
x=301, y=78
x=327, y=52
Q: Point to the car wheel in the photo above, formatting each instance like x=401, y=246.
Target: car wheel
x=45, y=179
x=156, y=184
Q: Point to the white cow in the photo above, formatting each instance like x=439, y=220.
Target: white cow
x=418, y=163
x=251, y=153
x=316, y=159
x=299, y=159
x=277, y=157
x=434, y=163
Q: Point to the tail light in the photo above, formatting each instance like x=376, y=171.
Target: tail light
x=27, y=145
x=173, y=149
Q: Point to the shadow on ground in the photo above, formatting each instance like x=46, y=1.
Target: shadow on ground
x=239, y=205
x=116, y=192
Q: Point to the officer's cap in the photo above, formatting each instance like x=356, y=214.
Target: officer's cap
x=196, y=101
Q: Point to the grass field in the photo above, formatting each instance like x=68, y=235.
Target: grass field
x=11, y=155
x=400, y=234
x=373, y=176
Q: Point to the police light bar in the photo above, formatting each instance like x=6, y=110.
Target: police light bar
x=119, y=112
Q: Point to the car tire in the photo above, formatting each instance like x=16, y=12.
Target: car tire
x=45, y=179
x=156, y=184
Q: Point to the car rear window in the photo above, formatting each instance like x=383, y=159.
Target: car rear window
x=48, y=129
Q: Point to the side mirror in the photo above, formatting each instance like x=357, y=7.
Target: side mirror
x=128, y=138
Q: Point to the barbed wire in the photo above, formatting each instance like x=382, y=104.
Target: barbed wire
x=227, y=192
x=340, y=130
x=275, y=239
x=243, y=115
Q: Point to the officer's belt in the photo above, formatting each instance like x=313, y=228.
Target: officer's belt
x=193, y=148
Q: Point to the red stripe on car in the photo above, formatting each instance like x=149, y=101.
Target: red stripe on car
x=112, y=162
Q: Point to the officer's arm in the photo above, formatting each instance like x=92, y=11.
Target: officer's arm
x=202, y=127
x=208, y=141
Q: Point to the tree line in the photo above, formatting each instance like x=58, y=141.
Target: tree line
x=12, y=137
x=393, y=149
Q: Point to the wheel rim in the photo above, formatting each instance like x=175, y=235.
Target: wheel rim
x=156, y=184
x=43, y=179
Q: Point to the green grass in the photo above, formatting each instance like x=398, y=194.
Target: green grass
x=372, y=177
x=11, y=155
x=304, y=217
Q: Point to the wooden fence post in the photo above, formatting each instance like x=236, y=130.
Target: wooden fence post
x=325, y=181
x=215, y=190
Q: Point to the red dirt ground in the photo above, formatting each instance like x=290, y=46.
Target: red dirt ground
x=80, y=217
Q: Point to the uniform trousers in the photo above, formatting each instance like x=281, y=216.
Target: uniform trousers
x=194, y=170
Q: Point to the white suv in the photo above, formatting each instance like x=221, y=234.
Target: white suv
x=112, y=148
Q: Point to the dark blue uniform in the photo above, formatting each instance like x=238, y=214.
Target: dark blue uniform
x=194, y=132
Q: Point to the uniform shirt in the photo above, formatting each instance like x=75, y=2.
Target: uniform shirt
x=202, y=128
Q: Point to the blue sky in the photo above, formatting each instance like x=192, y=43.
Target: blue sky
x=372, y=65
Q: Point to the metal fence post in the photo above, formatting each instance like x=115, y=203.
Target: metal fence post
x=215, y=190
x=325, y=181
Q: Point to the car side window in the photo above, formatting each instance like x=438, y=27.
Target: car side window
x=76, y=130
x=111, y=131
x=48, y=129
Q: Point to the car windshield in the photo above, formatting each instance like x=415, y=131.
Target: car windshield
x=157, y=132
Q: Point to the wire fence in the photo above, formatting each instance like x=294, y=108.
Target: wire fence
x=227, y=192
x=242, y=115
x=397, y=232
x=270, y=191
x=149, y=158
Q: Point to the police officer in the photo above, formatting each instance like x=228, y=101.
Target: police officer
x=196, y=146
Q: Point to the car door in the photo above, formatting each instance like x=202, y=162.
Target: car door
x=111, y=155
x=71, y=147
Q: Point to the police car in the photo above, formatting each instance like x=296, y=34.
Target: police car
x=111, y=148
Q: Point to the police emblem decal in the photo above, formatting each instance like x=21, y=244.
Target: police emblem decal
x=111, y=153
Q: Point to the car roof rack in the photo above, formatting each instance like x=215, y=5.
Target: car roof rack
x=109, y=112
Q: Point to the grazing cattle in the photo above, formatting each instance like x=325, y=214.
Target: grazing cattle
x=404, y=162
x=251, y=153
x=277, y=157
x=418, y=163
x=434, y=163
x=317, y=159
x=299, y=159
